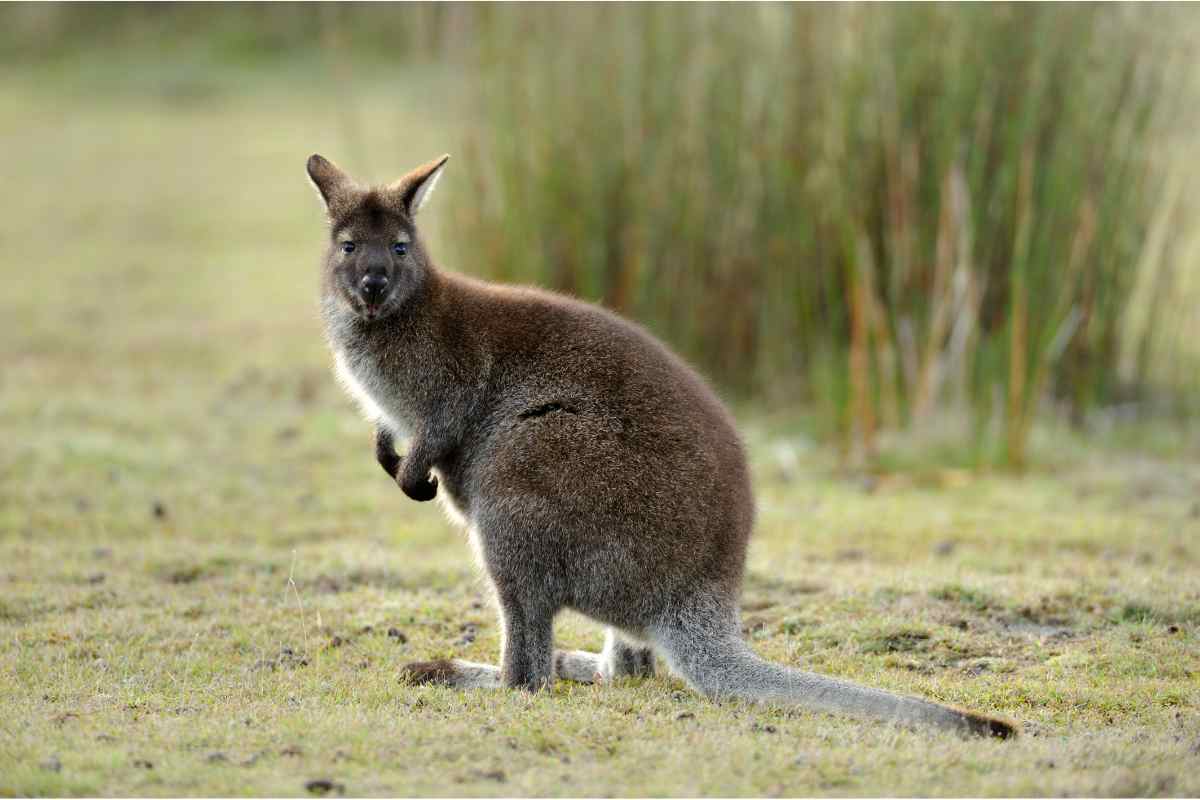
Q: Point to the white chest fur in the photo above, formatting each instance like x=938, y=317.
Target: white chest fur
x=364, y=388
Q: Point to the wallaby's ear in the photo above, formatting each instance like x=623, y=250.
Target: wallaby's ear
x=332, y=184
x=414, y=189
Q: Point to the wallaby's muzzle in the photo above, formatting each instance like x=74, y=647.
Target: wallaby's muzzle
x=373, y=287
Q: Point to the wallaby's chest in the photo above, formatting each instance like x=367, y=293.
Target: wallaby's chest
x=364, y=381
x=382, y=403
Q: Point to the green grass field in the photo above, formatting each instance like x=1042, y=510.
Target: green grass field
x=208, y=586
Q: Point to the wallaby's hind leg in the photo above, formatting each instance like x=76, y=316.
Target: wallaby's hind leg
x=699, y=643
x=620, y=657
x=525, y=656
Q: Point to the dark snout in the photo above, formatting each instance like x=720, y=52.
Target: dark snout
x=373, y=287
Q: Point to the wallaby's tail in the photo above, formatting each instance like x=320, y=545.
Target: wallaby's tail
x=708, y=651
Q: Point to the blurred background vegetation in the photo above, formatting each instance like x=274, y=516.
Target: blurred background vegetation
x=876, y=219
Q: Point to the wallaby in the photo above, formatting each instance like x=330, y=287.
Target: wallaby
x=592, y=468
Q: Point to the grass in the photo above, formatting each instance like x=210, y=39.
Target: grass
x=202, y=567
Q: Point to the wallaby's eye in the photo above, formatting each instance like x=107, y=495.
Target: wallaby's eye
x=347, y=247
x=400, y=248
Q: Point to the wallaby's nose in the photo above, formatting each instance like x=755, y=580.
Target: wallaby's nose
x=373, y=285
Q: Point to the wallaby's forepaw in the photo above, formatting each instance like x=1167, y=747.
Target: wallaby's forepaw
x=421, y=490
x=390, y=463
x=385, y=453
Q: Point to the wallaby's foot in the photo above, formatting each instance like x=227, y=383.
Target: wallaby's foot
x=422, y=489
x=637, y=662
x=457, y=673
x=583, y=667
x=976, y=724
x=466, y=675
x=570, y=665
x=579, y=666
x=620, y=658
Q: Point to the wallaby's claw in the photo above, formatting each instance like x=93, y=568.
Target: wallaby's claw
x=423, y=490
x=385, y=453
x=390, y=464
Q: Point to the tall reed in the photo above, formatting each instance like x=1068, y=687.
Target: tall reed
x=886, y=213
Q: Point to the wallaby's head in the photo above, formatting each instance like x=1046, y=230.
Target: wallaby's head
x=375, y=261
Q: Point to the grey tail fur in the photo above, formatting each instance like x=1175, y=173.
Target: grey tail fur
x=708, y=651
